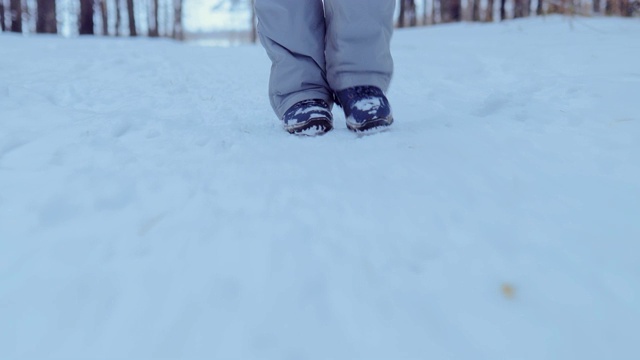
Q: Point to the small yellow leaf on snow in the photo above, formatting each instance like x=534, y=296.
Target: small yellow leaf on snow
x=508, y=291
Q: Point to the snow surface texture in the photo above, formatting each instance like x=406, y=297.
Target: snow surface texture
x=151, y=206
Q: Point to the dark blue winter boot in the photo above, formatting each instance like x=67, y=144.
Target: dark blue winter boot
x=308, y=117
x=365, y=107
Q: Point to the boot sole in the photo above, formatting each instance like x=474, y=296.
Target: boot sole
x=370, y=125
x=313, y=127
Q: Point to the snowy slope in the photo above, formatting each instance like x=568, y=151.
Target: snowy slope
x=152, y=207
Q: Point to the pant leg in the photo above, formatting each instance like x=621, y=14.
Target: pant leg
x=293, y=34
x=358, y=43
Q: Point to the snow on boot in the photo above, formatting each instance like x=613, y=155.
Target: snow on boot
x=365, y=107
x=308, y=117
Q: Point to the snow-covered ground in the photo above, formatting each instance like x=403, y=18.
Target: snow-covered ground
x=152, y=207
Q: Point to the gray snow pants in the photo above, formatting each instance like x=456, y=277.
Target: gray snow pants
x=318, y=49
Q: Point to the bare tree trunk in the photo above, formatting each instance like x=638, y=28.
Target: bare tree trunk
x=433, y=11
x=518, y=8
x=118, y=17
x=178, y=32
x=540, y=7
x=167, y=18
x=425, y=14
x=46, y=22
x=626, y=8
x=254, y=29
x=401, y=13
x=2, y=25
x=105, y=17
x=475, y=10
x=489, y=14
x=609, y=6
x=29, y=16
x=413, y=13
x=132, y=18
x=407, y=15
x=85, y=22
x=503, y=11
x=556, y=7
x=15, y=7
x=153, y=21
x=450, y=10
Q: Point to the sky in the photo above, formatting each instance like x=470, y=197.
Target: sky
x=208, y=15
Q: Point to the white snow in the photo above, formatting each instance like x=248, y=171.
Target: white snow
x=369, y=104
x=306, y=110
x=151, y=206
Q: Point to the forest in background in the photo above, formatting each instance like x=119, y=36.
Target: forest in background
x=153, y=18
x=165, y=18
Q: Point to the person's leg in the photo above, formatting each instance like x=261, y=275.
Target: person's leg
x=357, y=43
x=293, y=34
